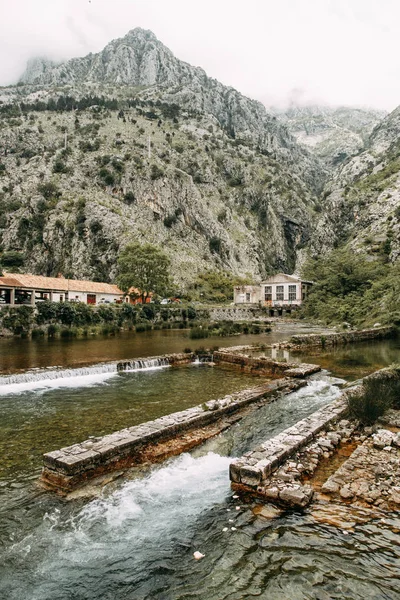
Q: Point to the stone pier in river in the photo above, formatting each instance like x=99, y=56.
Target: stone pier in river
x=69, y=467
x=272, y=472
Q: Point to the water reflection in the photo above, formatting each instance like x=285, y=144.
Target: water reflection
x=21, y=354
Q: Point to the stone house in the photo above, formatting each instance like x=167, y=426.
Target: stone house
x=281, y=293
x=247, y=294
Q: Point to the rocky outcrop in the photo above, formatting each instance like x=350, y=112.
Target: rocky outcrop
x=140, y=59
x=178, y=160
x=371, y=475
x=362, y=198
x=332, y=133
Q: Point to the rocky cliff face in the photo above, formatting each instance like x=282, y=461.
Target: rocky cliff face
x=162, y=154
x=134, y=144
x=139, y=59
x=361, y=203
x=333, y=134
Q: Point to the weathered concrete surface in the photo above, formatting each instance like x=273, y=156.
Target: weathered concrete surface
x=270, y=472
x=335, y=339
x=264, y=366
x=70, y=466
x=174, y=360
x=371, y=476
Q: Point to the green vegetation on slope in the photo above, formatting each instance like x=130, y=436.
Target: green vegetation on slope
x=351, y=288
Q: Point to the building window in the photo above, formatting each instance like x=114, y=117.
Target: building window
x=279, y=293
x=292, y=292
x=268, y=293
x=247, y=296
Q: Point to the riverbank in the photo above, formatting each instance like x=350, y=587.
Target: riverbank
x=147, y=525
x=329, y=457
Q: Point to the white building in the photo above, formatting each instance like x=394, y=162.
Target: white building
x=280, y=293
x=18, y=288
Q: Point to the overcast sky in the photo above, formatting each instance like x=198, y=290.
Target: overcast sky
x=314, y=51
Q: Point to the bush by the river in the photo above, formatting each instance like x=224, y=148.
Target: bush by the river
x=377, y=395
x=57, y=318
x=352, y=288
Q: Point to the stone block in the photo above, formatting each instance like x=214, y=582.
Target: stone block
x=296, y=496
x=234, y=471
x=250, y=476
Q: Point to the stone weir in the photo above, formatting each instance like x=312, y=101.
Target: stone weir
x=273, y=471
x=336, y=339
x=281, y=470
x=70, y=467
x=263, y=366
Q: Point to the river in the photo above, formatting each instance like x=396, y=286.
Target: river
x=137, y=540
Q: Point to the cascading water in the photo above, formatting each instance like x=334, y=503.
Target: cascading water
x=137, y=541
x=75, y=377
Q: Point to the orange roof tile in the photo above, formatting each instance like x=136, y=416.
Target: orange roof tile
x=37, y=282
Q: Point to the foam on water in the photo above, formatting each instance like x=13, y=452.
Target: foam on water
x=144, y=515
x=74, y=378
x=76, y=381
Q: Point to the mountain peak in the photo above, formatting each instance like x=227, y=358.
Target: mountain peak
x=139, y=32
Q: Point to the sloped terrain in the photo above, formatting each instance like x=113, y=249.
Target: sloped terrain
x=133, y=144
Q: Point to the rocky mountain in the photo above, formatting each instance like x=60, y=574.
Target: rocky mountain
x=361, y=202
x=134, y=144
x=331, y=133
x=139, y=59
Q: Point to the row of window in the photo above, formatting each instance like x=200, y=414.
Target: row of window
x=280, y=293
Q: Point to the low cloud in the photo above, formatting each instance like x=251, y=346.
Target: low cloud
x=328, y=51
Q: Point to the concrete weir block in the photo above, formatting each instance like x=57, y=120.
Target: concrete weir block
x=234, y=471
x=296, y=496
x=71, y=466
x=274, y=455
x=250, y=476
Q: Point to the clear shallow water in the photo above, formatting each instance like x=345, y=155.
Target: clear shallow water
x=351, y=361
x=137, y=541
x=60, y=412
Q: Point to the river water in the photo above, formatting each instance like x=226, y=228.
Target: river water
x=21, y=354
x=137, y=540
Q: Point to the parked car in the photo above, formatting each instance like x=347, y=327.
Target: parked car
x=165, y=301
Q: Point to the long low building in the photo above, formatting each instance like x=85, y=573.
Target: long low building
x=19, y=288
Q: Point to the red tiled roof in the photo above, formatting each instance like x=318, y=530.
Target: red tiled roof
x=37, y=282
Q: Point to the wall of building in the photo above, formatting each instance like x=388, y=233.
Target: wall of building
x=285, y=286
x=247, y=294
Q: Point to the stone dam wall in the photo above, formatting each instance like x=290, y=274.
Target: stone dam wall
x=263, y=366
x=69, y=467
x=238, y=313
x=254, y=472
x=280, y=469
x=336, y=339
